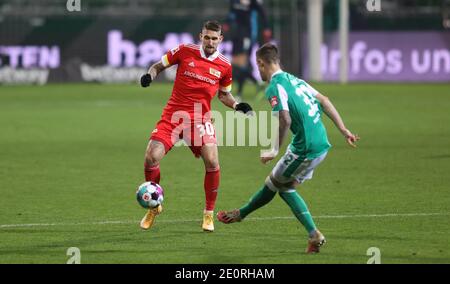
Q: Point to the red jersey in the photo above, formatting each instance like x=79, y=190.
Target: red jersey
x=198, y=78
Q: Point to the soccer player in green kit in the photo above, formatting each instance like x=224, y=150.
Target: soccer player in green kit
x=299, y=107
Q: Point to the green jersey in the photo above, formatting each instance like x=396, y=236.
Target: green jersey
x=287, y=92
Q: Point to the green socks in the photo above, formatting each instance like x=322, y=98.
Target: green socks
x=293, y=199
x=300, y=209
x=259, y=199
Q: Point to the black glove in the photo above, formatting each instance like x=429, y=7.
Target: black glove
x=243, y=107
x=146, y=80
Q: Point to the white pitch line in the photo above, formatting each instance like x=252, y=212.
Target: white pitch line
x=249, y=219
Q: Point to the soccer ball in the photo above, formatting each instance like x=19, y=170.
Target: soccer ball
x=150, y=195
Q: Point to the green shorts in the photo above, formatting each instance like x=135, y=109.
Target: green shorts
x=292, y=168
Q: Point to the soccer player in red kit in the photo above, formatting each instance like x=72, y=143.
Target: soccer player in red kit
x=202, y=72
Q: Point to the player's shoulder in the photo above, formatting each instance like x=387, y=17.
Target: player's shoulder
x=284, y=79
x=224, y=60
x=186, y=48
x=271, y=89
x=191, y=46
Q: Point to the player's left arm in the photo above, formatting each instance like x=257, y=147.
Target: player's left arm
x=333, y=114
x=227, y=99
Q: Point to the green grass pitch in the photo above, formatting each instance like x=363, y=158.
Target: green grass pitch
x=71, y=157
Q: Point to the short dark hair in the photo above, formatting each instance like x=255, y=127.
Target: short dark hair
x=268, y=53
x=213, y=26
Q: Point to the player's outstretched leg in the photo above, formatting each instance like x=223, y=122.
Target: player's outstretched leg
x=149, y=218
x=259, y=199
x=301, y=212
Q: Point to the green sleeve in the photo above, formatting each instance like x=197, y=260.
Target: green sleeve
x=276, y=100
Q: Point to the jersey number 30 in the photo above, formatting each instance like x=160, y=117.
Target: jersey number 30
x=208, y=129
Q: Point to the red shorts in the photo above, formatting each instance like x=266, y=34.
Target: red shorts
x=194, y=134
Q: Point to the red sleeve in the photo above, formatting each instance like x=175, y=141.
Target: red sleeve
x=173, y=56
x=226, y=81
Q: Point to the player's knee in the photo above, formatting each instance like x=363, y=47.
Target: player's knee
x=210, y=157
x=154, y=153
x=151, y=161
x=152, y=157
x=294, y=184
x=212, y=164
x=275, y=185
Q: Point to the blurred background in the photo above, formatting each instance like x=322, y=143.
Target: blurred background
x=115, y=40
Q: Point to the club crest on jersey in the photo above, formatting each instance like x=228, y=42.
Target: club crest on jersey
x=273, y=101
x=214, y=72
x=174, y=50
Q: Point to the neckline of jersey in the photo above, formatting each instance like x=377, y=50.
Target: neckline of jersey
x=211, y=57
x=276, y=73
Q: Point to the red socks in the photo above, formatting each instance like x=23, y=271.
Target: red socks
x=152, y=173
x=212, y=179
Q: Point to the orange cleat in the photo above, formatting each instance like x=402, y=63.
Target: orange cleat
x=149, y=218
x=208, y=222
x=315, y=242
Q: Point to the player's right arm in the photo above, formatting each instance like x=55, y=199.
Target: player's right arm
x=170, y=58
x=277, y=97
x=284, y=125
x=333, y=114
x=152, y=73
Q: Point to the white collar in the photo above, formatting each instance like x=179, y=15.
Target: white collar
x=276, y=73
x=211, y=57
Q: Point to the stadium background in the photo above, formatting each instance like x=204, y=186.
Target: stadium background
x=112, y=39
x=71, y=151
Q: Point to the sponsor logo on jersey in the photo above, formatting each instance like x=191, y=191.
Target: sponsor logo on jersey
x=192, y=64
x=273, y=101
x=214, y=72
x=199, y=77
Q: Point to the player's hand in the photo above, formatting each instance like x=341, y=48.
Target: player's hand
x=350, y=137
x=267, y=35
x=146, y=80
x=268, y=156
x=244, y=108
x=265, y=160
